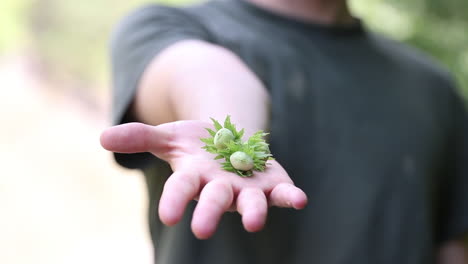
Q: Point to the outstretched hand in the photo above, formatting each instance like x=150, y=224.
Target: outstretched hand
x=198, y=176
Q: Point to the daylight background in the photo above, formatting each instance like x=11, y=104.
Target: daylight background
x=62, y=200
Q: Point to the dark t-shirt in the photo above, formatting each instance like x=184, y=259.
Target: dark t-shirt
x=370, y=129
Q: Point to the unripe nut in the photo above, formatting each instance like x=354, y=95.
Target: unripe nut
x=264, y=147
x=241, y=161
x=222, y=137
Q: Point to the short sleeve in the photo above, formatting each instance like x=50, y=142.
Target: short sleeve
x=135, y=42
x=454, y=214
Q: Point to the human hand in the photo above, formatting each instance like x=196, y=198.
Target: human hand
x=198, y=176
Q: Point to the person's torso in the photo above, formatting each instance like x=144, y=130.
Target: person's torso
x=359, y=123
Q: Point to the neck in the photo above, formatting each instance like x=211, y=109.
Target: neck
x=327, y=12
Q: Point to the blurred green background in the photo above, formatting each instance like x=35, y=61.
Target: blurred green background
x=69, y=38
x=62, y=198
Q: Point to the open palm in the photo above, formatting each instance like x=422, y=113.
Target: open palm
x=198, y=176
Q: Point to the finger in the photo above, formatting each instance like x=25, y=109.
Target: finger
x=136, y=137
x=215, y=198
x=288, y=195
x=253, y=206
x=180, y=188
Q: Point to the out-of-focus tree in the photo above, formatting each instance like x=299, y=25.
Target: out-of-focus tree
x=72, y=37
x=437, y=27
x=13, y=25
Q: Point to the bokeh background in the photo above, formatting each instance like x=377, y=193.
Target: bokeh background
x=62, y=199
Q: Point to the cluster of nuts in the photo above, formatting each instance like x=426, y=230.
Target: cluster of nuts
x=240, y=157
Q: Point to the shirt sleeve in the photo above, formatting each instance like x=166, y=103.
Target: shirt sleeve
x=135, y=42
x=454, y=213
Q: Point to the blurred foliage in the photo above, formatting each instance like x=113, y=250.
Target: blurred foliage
x=70, y=38
x=74, y=35
x=437, y=27
x=13, y=23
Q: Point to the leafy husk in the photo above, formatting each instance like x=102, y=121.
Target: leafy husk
x=256, y=147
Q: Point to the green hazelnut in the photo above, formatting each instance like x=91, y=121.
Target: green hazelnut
x=222, y=137
x=263, y=147
x=241, y=161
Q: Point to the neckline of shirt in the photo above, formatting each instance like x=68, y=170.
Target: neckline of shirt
x=355, y=29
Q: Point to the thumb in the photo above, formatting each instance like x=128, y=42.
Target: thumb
x=136, y=137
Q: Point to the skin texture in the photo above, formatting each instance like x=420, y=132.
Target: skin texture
x=198, y=176
x=194, y=80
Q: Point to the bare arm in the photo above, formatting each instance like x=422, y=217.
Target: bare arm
x=193, y=80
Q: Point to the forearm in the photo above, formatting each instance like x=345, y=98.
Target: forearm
x=196, y=80
x=453, y=252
